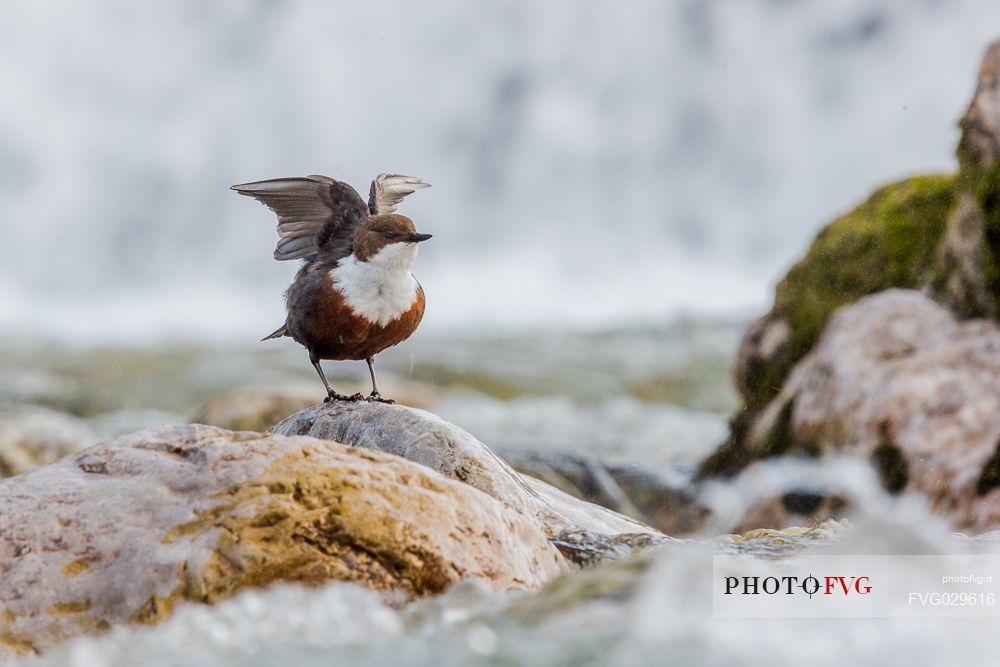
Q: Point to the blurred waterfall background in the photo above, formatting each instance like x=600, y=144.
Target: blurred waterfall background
x=597, y=164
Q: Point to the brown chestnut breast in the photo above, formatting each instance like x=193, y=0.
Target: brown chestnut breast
x=334, y=331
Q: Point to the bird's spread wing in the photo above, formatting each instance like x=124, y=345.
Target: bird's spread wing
x=389, y=189
x=314, y=213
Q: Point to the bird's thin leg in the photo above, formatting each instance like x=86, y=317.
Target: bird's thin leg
x=331, y=395
x=375, y=396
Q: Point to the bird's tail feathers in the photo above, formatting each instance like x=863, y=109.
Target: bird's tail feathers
x=277, y=333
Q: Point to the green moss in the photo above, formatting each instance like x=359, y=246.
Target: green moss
x=891, y=240
x=888, y=241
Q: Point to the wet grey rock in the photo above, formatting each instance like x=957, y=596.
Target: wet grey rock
x=666, y=500
x=425, y=438
x=589, y=549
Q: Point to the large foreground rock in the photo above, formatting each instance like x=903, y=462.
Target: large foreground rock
x=125, y=530
x=896, y=379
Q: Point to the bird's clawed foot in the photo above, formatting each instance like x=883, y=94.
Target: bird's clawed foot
x=334, y=396
x=377, y=398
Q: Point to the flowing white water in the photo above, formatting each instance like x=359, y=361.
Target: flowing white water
x=618, y=429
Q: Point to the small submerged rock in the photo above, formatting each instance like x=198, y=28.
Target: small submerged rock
x=252, y=409
x=127, y=529
x=589, y=549
x=31, y=436
x=665, y=500
x=785, y=541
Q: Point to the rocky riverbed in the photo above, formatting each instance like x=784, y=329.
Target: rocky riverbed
x=408, y=505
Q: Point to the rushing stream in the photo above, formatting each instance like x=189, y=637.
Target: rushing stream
x=635, y=612
x=629, y=612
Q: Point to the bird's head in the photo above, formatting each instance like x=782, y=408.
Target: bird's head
x=388, y=240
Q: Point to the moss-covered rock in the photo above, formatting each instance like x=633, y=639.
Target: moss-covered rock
x=888, y=241
x=939, y=234
x=898, y=381
x=893, y=239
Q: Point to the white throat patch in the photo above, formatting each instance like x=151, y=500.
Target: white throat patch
x=382, y=288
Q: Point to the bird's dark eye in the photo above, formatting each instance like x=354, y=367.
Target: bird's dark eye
x=390, y=235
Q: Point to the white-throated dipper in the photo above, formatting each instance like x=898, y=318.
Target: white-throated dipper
x=354, y=296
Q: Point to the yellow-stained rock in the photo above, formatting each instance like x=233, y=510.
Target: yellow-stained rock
x=128, y=529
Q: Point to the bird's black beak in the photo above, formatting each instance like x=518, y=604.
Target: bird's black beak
x=417, y=238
